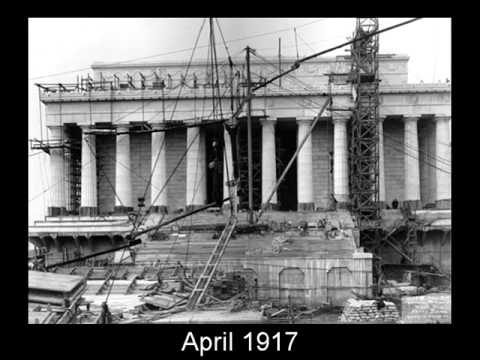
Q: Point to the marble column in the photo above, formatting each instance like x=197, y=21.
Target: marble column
x=305, y=168
x=340, y=161
x=196, y=194
x=412, y=165
x=123, y=177
x=269, y=168
x=88, y=199
x=159, y=189
x=443, y=162
x=381, y=165
x=57, y=180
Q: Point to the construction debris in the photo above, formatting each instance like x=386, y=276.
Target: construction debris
x=401, y=289
x=163, y=301
x=369, y=311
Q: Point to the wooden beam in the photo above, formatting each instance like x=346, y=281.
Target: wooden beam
x=398, y=250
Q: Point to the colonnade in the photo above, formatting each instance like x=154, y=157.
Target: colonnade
x=196, y=167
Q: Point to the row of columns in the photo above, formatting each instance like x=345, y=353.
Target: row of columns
x=195, y=164
x=441, y=162
x=196, y=187
x=305, y=192
x=340, y=163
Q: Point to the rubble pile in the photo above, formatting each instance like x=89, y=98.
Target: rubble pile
x=369, y=311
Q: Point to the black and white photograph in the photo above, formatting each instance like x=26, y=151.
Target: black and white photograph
x=239, y=170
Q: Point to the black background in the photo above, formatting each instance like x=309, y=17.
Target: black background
x=162, y=341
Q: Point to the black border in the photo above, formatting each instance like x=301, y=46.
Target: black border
x=313, y=340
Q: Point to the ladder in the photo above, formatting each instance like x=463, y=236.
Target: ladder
x=205, y=278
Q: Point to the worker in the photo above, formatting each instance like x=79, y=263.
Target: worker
x=395, y=204
x=333, y=202
x=159, y=280
x=381, y=303
x=105, y=315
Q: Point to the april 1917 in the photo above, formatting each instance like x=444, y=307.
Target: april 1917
x=261, y=341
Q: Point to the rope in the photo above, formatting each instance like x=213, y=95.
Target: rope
x=173, y=111
x=412, y=148
x=223, y=39
x=419, y=159
x=174, y=170
x=307, y=88
x=174, y=51
x=149, y=182
x=135, y=227
x=166, y=182
x=183, y=224
x=58, y=182
x=100, y=169
x=214, y=55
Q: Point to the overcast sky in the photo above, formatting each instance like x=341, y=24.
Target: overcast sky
x=68, y=45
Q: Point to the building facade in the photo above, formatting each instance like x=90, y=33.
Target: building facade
x=112, y=163
x=132, y=132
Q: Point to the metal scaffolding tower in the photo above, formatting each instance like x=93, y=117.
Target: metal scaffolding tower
x=364, y=152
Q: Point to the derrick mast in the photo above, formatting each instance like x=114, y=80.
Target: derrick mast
x=364, y=149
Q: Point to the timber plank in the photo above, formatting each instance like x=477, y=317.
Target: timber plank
x=64, y=283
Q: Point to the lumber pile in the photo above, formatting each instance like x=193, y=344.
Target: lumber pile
x=53, y=288
x=52, y=297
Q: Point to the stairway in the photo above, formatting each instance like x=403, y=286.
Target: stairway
x=212, y=263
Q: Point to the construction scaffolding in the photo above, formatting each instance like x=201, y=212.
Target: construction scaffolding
x=364, y=152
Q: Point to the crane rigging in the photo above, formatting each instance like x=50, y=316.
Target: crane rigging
x=364, y=148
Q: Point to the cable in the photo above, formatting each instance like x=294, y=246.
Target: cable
x=431, y=156
x=265, y=60
x=197, y=184
x=173, y=52
x=183, y=224
x=304, y=42
x=293, y=77
x=223, y=39
x=150, y=102
x=306, y=103
x=171, y=117
x=178, y=164
x=409, y=147
x=308, y=44
x=297, y=64
x=413, y=149
x=419, y=159
x=57, y=183
x=104, y=174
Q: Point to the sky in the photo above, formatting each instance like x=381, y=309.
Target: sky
x=62, y=48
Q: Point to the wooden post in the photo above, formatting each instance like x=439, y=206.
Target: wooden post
x=249, y=139
x=280, y=61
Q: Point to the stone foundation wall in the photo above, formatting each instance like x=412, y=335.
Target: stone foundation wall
x=432, y=308
x=367, y=311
